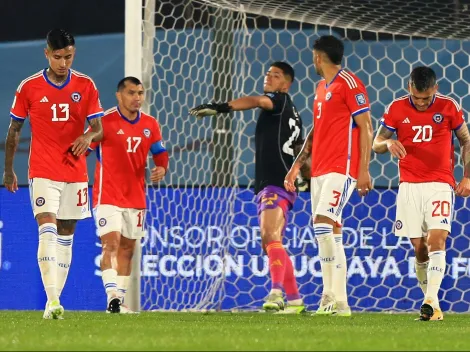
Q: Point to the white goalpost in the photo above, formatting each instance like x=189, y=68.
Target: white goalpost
x=202, y=248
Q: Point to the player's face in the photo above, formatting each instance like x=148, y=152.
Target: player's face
x=131, y=97
x=422, y=100
x=61, y=60
x=275, y=81
x=317, y=62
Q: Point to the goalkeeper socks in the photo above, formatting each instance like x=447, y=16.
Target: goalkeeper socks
x=109, y=281
x=326, y=252
x=122, y=284
x=340, y=274
x=422, y=275
x=290, y=283
x=436, y=271
x=64, y=259
x=47, y=252
x=277, y=257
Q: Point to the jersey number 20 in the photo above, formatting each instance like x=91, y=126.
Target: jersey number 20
x=423, y=133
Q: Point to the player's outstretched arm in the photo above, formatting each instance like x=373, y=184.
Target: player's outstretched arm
x=363, y=121
x=383, y=143
x=13, y=138
x=463, y=188
x=304, y=154
x=93, y=134
x=245, y=103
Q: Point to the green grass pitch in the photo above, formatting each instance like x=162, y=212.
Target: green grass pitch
x=24, y=330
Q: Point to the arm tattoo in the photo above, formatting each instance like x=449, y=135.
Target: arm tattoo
x=306, y=150
x=96, y=129
x=464, y=140
x=384, y=132
x=11, y=143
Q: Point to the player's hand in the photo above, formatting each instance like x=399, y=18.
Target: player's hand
x=364, y=183
x=289, y=180
x=81, y=144
x=10, y=181
x=396, y=148
x=157, y=174
x=204, y=110
x=463, y=188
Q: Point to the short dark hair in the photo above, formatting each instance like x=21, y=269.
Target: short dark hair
x=331, y=46
x=122, y=83
x=286, y=69
x=422, y=78
x=59, y=38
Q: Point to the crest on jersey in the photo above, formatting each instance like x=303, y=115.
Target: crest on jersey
x=146, y=132
x=76, y=97
x=398, y=225
x=40, y=201
x=438, y=118
x=102, y=222
x=328, y=96
x=360, y=99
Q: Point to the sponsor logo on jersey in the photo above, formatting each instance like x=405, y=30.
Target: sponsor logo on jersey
x=360, y=99
x=102, y=222
x=438, y=118
x=147, y=132
x=271, y=95
x=76, y=97
x=328, y=96
x=40, y=201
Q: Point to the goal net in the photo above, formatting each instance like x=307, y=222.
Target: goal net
x=202, y=249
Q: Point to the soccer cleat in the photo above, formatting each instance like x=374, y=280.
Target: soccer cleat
x=114, y=305
x=274, y=303
x=342, y=310
x=54, y=310
x=438, y=315
x=126, y=310
x=327, y=305
x=291, y=309
x=426, y=312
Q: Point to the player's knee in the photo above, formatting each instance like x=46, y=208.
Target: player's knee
x=421, y=249
x=269, y=235
x=322, y=219
x=437, y=240
x=43, y=218
x=66, y=227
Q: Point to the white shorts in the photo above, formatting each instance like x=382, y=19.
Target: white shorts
x=68, y=201
x=127, y=221
x=330, y=193
x=422, y=207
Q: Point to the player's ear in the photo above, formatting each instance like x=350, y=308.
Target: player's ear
x=45, y=53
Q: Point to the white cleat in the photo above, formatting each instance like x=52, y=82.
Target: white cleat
x=327, y=305
x=53, y=310
x=126, y=310
x=342, y=309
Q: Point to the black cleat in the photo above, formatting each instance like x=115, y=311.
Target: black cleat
x=426, y=312
x=114, y=306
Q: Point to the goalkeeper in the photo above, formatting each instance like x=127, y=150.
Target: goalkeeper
x=278, y=131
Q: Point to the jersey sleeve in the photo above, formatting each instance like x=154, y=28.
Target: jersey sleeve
x=388, y=120
x=278, y=101
x=355, y=96
x=20, y=107
x=457, y=119
x=94, y=108
x=158, y=150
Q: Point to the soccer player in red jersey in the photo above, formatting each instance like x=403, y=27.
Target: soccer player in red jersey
x=119, y=189
x=340, y=146
x=58, y=102
x=424, y=121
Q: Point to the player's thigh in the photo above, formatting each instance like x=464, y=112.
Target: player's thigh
x=439, y=207
x=75, y=202
x=273, y=205
x=133, y=221
x=108, y=218
x=334, y=193
x=45, y=195
x=409, y=220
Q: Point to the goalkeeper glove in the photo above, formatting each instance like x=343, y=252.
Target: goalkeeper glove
x=210, y=109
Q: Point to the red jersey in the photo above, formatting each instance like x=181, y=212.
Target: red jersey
x=57, y=115
x=122, y=159
x=335, y=135
x=427, y=138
